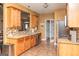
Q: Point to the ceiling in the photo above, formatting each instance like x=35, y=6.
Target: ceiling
x=38, y=7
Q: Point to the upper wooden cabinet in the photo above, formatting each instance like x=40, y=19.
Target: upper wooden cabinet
x=73, y=14
x=13, y=17
x=60, y=14
x=34, y=20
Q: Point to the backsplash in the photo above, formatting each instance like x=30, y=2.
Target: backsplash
x=78, y=34
x=11, y=31
x=77, y=29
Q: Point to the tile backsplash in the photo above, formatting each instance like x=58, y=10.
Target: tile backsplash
x=78, y=34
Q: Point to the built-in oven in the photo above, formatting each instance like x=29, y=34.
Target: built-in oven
x=26, y=25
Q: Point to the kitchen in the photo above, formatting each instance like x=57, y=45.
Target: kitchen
x=25, y=29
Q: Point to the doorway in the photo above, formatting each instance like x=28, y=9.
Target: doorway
x=49, y=31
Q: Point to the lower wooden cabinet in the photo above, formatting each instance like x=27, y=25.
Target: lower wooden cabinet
x=64, y=49
x=75, y=49
x=19, y=46
x=23, y=44
x=68, y=49
x=33, y=40
x=17, y=50
x=27, y=42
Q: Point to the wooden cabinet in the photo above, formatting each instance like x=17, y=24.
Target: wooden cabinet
x=22, y=44
x=34, y=21
x=27, y=42
x=13, y=17
x=33, y=40
x=73, y=14
x=18, y=18
x=10, y=18
x=75, y=49
x=60, y=14
x=17, y=49
x=19, y=46
x=68, y=49
x=64, y=49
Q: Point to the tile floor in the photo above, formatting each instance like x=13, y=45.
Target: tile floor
x=41, y=50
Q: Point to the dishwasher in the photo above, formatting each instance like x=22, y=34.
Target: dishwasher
x=38, y=38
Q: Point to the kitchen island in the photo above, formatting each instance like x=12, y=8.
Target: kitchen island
x=66, y=47
x=22, y=41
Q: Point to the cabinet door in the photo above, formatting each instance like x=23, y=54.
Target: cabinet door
x=33, y=21
x=27, y=42
x=13, y=17
x=19, y=46
x=33, y=40
x=75, y=49
x=17, y=49
x=64, y=49
x=18, y=18
x=73, y=15
x=10, y=17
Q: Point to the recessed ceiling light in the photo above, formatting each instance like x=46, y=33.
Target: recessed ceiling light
x=45, y=5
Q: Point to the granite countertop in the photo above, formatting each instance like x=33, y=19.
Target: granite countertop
x=66, y=41
x=21, y=34
x=63, y=40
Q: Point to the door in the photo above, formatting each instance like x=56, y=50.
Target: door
x=61, y=28
x=49, y=31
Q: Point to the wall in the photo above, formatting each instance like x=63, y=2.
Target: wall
x=41, y=21
x=56, y=15
x=60, y=13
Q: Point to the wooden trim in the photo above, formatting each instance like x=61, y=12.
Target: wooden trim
x=14, y=7
x=20, y=7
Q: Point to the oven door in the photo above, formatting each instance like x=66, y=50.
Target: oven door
x=26, y=26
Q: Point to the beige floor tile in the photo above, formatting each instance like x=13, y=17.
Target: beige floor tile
x=41, y=50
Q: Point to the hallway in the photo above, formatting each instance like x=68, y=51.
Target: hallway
x=41, y=50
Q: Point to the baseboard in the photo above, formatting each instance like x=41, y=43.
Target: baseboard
x=45, y=40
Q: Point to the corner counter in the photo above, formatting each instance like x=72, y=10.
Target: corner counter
x=22, y=42
x=66, y=47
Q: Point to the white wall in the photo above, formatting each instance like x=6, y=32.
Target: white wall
x=41, y=26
